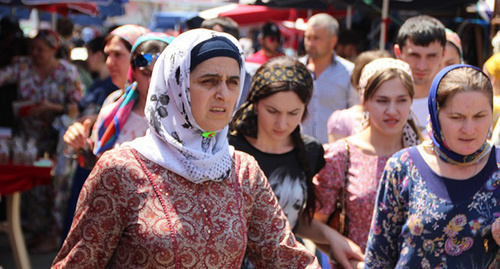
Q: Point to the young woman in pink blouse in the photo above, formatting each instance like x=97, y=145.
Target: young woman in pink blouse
x=387, y=90
x=181, y=197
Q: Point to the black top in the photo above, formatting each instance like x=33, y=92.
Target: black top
x=269, y=162
x=285, y=173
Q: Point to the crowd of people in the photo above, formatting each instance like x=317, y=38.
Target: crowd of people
x=187, y=151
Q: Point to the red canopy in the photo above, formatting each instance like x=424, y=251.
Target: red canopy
x=254, y=14
x=64, y=8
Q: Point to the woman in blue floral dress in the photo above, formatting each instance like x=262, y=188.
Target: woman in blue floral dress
x=436, y=202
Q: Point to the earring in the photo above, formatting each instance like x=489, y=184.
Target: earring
x=366, y=119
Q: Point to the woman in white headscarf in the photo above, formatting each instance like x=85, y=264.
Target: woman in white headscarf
x=181, y=196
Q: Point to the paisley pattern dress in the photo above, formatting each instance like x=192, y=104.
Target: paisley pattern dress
x=423, y=220
x=133, y=213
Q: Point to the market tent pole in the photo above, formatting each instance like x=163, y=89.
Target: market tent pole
x=348, y=18
x=383, y=24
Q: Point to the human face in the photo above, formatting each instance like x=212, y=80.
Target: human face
x=117, y=61
x=42, y=53
x=143, y=78
x=348, y=51
x=451, y=56
x=318, y=42
x=389, y=107
x=424, y=62
x=276, y=119
x=270, y=43
x=93, y=61
x=214, y=89
x=465, y=120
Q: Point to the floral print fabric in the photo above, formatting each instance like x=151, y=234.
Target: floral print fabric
x=413, y=227
x=364, y=173
x=126, y=220
x=62, y=86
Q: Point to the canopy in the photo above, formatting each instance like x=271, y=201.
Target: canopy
x=249, y=14
x=171, y=20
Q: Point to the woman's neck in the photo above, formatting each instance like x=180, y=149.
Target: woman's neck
x=448, y=170
x=103, y=72
x=140, y=106
x=372, y=142
x=46, y=69
x=271, y=146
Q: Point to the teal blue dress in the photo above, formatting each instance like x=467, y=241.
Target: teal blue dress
x=423, y=220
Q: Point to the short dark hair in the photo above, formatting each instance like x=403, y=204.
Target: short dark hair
x=421, y=31
x=96, y=44
x=348, y=37
x=228, y=25
x=64, y=27
x=271, y=29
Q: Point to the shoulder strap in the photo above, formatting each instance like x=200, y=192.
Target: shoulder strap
x=343, y=196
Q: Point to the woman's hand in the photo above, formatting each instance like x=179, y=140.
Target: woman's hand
x=357, y=264
x=495, y=231
x=77, y=134
x=344, y=251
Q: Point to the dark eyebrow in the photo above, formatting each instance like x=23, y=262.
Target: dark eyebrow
x=272, y=107
x=218, y=76
x=210, y=75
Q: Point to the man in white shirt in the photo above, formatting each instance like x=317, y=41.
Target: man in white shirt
x=421, y=43
x=331, y=73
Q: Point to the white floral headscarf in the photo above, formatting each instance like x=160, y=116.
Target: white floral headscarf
x=174, y=139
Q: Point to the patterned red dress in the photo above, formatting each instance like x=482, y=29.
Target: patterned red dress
x=364, y=177
x=133, y=213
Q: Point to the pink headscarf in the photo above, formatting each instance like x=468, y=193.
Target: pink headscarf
x=129, y=32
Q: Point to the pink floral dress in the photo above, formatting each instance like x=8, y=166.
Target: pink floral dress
x=364, y=176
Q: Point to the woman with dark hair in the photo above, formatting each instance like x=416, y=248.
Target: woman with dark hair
x=181, y=197
x=437, y=201
x=267, y=126
x=355, y=164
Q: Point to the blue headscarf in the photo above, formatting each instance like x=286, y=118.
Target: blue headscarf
x=435, y=133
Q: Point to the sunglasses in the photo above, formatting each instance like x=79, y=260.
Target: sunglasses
x=144, y=59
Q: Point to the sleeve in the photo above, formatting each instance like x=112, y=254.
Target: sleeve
x=315, y=154
x=335, y=124
x=99, y=220
x=10, y=73
x=271, y=243
x=382, y=249
x=328, y=182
